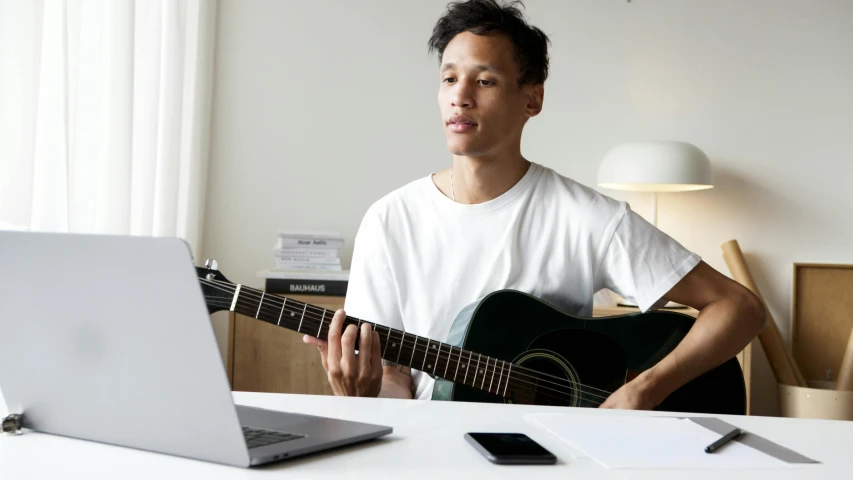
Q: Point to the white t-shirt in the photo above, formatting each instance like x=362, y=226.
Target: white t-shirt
x=419, y=257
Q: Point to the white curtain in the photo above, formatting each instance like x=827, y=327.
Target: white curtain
x=104, y=115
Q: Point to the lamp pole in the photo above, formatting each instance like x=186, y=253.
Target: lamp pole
x=655, y=209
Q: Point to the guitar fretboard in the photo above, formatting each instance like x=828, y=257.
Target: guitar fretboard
x=435, y=358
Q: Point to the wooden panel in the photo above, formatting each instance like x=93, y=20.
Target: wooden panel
x=229, y=363
x=268, y=358
x=745, y=359
x=822, y=317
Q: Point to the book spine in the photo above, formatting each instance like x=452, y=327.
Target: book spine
x=309, y=260
x=306, y=266
x=309, y=234
x=306, y=287
x=310, y=242
x=307, y=252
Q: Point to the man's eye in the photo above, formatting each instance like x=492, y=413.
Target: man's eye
x=449, y=80
x=486, y=83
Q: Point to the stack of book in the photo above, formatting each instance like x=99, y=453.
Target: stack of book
x=308, y=251
x=307, y=262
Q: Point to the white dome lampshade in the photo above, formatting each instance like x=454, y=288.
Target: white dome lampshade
x=655, y=166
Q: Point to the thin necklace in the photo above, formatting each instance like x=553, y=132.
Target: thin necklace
x=452, y=192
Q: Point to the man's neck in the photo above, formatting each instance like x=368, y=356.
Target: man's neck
x=478, y=180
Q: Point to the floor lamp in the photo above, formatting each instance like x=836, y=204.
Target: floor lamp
x=655, y=166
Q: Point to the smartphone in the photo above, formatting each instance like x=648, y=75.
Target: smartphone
x=510, y=449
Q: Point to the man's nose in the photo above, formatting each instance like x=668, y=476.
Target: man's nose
x=462, y=96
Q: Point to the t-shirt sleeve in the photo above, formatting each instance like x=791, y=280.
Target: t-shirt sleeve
x=371, y=291
x=642, y=263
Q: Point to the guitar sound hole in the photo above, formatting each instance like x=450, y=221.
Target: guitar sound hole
x=554, y=383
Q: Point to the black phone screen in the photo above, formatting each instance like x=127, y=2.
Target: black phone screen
x=509, y=446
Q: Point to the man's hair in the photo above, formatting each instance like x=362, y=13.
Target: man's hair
x=530, y=44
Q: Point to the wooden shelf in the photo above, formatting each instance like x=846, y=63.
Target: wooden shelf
x=606, y=311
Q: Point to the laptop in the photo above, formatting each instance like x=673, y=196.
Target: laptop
x=107, y=338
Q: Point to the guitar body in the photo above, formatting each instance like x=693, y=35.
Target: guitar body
x=602, y=353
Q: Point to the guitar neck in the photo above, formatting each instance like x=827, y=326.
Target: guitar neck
x=420, y=353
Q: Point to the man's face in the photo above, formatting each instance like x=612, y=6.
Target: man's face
x=482, y=106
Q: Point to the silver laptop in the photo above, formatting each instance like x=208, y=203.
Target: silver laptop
x=107, y=338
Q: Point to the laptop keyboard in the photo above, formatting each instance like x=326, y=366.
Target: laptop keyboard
x=257, y=437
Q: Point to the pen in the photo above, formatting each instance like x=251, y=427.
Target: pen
x=723, y=440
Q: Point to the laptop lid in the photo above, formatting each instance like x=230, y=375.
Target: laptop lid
x=107, y=338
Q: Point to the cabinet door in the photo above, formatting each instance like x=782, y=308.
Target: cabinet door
x=268, y=358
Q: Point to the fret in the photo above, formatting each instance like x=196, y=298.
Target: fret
x=322, y=319
x=485, y=371
x=426, y=353
x=467, y=367
x=261, y=302
x=412, y=361
x=236, y=295
x=400, y=347
x=299, y=327
x=436, y=348
x=458, y=361
x=507, y=379
x=476, y=369
x=500, y=377
x=387, y=338
x=437, y=356
x=282, y=313
x=493, y=376
x=426, y=356
x=446, y=365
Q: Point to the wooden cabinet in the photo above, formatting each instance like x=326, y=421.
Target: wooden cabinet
x=266, y=358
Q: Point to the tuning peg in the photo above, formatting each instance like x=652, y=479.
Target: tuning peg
x=211, y=264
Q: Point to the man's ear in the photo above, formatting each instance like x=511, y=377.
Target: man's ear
x=535, y=96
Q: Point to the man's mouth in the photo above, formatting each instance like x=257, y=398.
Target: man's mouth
x=461, y=123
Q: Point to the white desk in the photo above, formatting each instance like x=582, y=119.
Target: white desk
x=427, y=443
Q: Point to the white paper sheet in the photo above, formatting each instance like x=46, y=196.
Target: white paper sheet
x=627, y=442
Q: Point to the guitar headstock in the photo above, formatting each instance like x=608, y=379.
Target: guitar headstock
x=218, y=290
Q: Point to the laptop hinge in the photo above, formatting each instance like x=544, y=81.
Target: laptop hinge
x=12, y=424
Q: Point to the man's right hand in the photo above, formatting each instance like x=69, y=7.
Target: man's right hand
x=350, y=374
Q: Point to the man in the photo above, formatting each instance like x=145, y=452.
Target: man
x=495, y=220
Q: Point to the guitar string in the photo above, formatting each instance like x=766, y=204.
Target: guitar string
x=519, y=373
x=323, y=323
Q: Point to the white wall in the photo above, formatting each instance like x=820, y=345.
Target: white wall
x=322, y=107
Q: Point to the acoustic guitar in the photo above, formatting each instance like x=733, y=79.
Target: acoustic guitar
x=515, y=348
